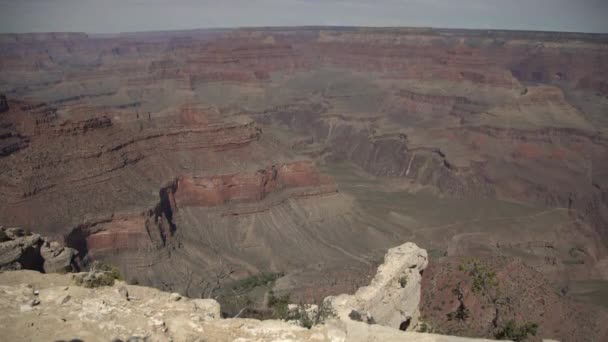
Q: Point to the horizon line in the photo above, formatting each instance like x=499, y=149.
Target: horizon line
x=262, y=27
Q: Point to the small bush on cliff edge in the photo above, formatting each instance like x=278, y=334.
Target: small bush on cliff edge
x=113, y=271
x=92, y=280
x=100, y=274
x=308, y=318
x=279, y=305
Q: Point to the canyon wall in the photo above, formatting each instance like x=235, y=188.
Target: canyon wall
x=309, y=150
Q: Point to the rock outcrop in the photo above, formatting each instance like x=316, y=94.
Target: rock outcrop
x=51, y=307
x=23, y=250
x=58, y=258
x=393, y=296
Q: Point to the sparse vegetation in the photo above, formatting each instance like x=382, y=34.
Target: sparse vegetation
x=279, y=305
x=324, y=313
x=303, y=317
x=113, y=271
x=237, y=297
x=92, y=280
x=424, y=328
x=436, y=253
x=517, y=333
x=483, y=278
x=100, y=274
x=577, y=256
x=461, y=314
x=308, y=317
x=262, y=279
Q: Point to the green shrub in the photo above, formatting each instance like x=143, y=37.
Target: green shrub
x=423, y=328
x=92, y=280
x=279, y=305
x=252, y=282
x=461, y=314
x=308, y=319
x=514, y=332
x=303, y=318
x=100, y=274
x=113, y=271
x=324, y=313
x=483, y=277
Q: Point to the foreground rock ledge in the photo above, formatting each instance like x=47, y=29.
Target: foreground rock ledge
x=49, y=307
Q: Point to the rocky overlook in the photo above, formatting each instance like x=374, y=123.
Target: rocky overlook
x=49, y=306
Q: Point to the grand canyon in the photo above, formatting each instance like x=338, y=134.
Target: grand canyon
x=309, y=152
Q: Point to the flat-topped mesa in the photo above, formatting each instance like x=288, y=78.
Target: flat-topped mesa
x=128, y=231
x=152, y=229
x=297, y=178
x=113, y=234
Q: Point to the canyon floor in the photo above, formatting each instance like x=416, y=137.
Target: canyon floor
x=190, y=157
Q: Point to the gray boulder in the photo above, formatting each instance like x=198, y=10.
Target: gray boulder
x=58, y=259
x=19, y=250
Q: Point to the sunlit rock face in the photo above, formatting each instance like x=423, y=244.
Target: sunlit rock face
x=393, y=296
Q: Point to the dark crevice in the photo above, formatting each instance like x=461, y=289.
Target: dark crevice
x=166, y=206
x=31, y=259
x=3, y=104
x=405, y=324
x=77, y=238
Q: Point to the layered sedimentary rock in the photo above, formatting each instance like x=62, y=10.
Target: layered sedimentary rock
x=295, y=179
x=308, y=151
x=245, y=193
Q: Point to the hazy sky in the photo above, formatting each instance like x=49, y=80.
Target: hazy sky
x=144, y=15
